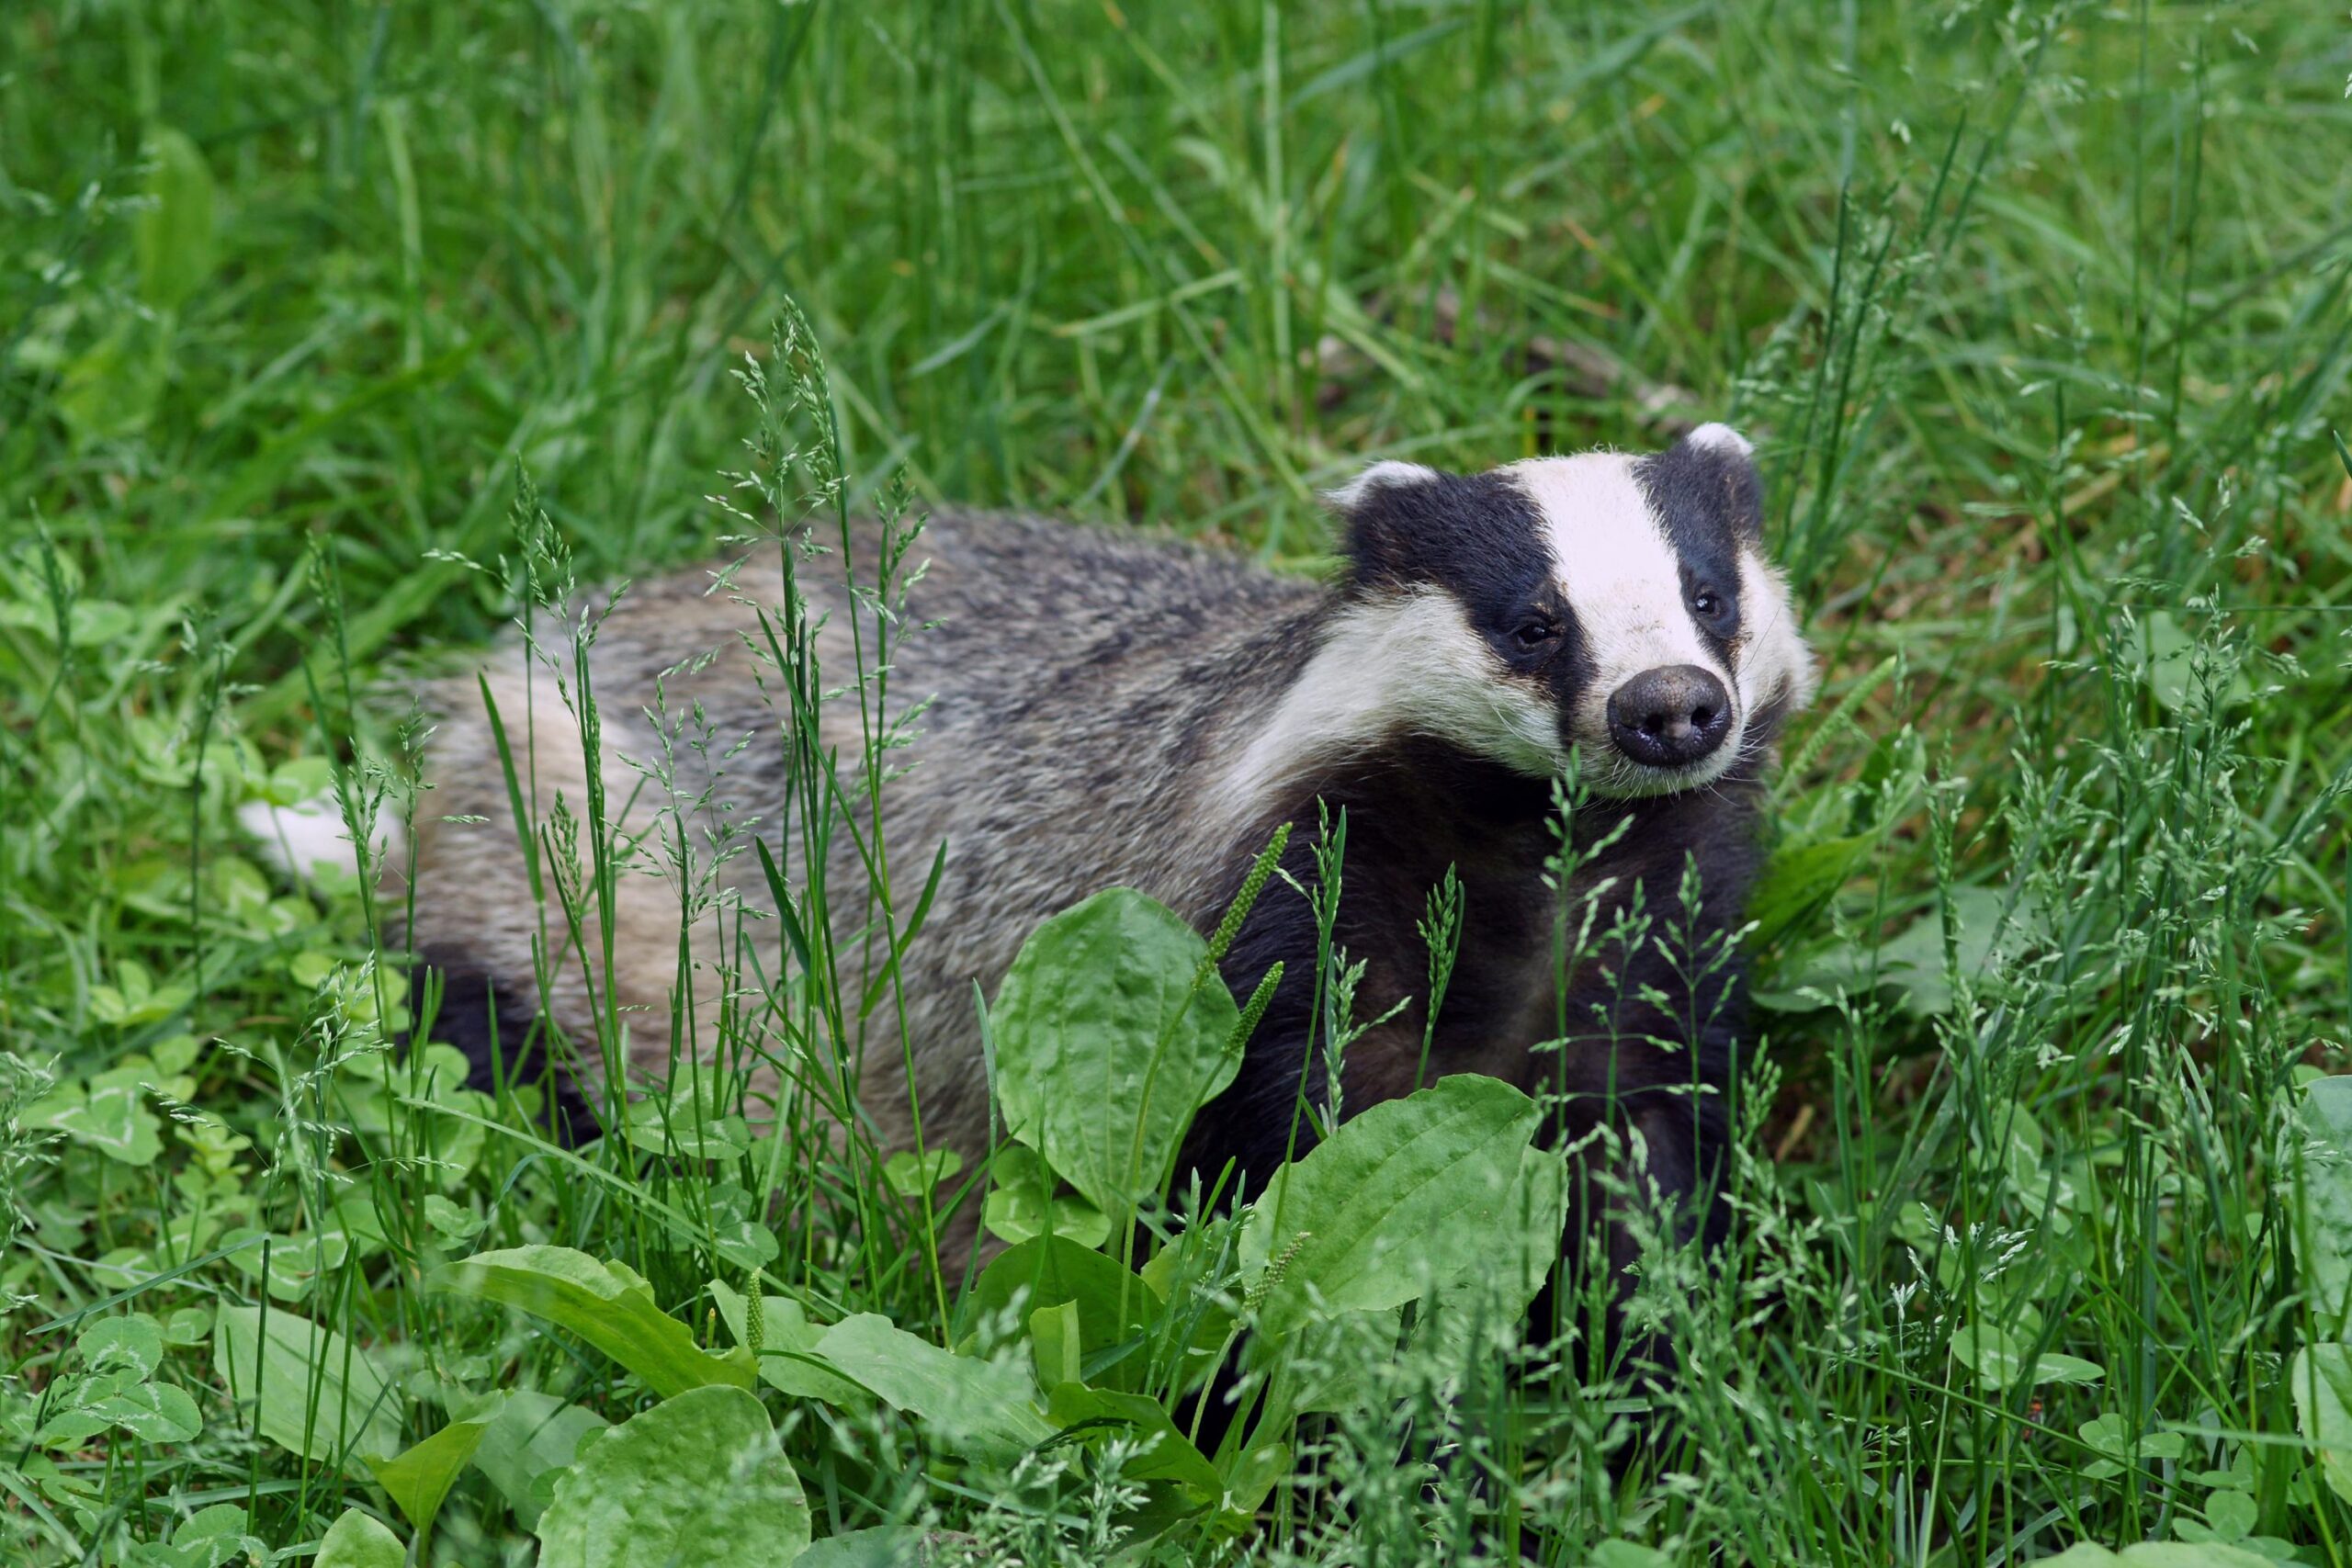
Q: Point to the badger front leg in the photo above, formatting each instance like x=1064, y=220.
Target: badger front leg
x=1644, y=1186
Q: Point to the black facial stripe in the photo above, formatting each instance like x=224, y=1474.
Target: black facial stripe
x=1477, y=537
x=1709, y=504
x=1483, y=541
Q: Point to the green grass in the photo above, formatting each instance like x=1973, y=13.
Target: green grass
x=2039, y=316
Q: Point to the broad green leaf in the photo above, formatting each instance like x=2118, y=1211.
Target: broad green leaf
x=71, y=1429
x=294, y=1265
x=2172, y=667
x=2051, y=1367
x=151, y=1411
x=110, y=1117
x=1104, y=1048
x=111, y=387
x=1253, y=1474
x=788, y=1344
x=187, y=1325
x=910, y=1176
x=1409, y=1193
x=696, y=1482
x=532, y=1435
x=132, y=1342
x=2111, y=1435
x=1019, y=1215
x=1912, y=961
x=1536, y=1216
x=1493, y=1293
x=1999, y=1357
x=687, y=1123
x=1096, y=1414
x=884, y=1546
x=728, y=1226
x=1798, y=879
x=1114, y=1307
x=2231, y=1516
x=359, y=1540
x=420, y=1478
x=210, y=1524
x=175, y=233
x=1056, y=1345
x=314, y=1392
x=215, y=1538
x=2324, y=1198
x=1989, y=1351
x=89, y=623
x=1334, y=1363
x=456, y=1223
x=986, y=1406
x=2320, y=1376
x=1629, y=1554
x=2156, y=1555
x=608, y=1306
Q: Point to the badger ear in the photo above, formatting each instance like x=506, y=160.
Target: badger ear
x=1712, y=469
x=1721, y=438
x=1387, y=473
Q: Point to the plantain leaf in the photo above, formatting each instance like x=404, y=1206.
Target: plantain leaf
x=175, y=232
x=532, y=1435
x=420, y=1478
x=1095, y=1413
x=2324, y=1198
x=987, y=1407
x=604, y=1305
x=883, y=1546
x=313, y=1392
x=2156, y=1555
x=1115, y=1308
x=1798, y=880
x=1103, y=1047
x=2321, y=1379
x=1989, y=1351
x=1410, y=1193
x=696, y=1482
x=359, y=1540
x=787, y=1342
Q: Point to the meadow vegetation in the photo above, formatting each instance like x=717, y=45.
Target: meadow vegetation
x=336, y=338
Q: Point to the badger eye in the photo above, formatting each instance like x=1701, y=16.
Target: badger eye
x=1708, y=603
x=1532, y=635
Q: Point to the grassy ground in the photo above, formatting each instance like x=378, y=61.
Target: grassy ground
x=2039, y=315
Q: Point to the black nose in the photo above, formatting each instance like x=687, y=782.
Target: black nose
x=1670, y=717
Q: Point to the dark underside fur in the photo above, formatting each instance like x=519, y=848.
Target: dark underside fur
x=506, y=1044
x=1596, y=1055
x=1593, y=1051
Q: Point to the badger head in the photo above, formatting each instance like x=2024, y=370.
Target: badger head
x=1618, y=605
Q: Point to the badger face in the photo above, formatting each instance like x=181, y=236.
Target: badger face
x=1620, y=605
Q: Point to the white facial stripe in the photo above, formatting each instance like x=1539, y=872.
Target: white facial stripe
x=1774, y=663
x=1623, y=579
x=1408, y=664
x=1623, y=583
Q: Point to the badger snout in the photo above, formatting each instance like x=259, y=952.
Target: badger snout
x=1670, y=717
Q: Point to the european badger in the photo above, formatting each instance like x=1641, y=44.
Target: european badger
x=1108, y=710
